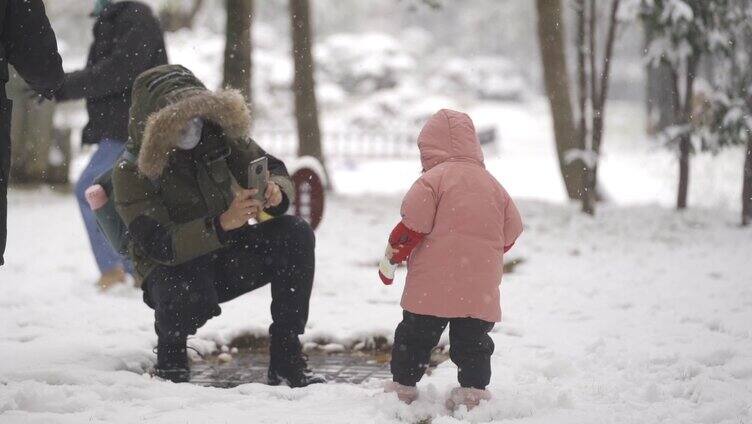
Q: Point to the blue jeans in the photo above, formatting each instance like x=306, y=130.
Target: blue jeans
x=102, y=160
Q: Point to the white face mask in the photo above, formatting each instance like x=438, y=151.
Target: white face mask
x=191, y=134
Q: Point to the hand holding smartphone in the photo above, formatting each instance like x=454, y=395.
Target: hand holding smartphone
x=258, y=177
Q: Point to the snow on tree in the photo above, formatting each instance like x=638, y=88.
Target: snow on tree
x=726, y=118
x=685, y=33
x=682, y=33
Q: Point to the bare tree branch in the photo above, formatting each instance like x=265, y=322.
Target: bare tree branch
x=582, y=89
x=592, y=34
x=608, y=54
x=599, y=101
x=598, y=93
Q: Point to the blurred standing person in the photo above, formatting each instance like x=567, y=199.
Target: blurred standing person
x=28, y=43
x=127, y=41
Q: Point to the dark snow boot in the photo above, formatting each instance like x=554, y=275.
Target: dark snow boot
x=172, y=363
x=288, y=365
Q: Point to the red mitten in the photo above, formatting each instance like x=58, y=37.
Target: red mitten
x=403, y=240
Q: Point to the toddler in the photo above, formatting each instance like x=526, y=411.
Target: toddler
x=457, y=222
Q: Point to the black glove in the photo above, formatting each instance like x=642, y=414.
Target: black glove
x=32, y=94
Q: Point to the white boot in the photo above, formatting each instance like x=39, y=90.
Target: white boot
x=468, y=396
x=406, y=394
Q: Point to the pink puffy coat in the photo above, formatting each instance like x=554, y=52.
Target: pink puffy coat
x=468, y=219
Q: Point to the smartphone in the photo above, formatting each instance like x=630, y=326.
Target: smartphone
x=257, y=177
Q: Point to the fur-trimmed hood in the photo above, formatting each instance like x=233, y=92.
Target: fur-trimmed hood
x=163, y=129
x=165, y=99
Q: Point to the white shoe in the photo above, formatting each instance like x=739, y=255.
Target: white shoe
x=406, y=394
x=468, y=396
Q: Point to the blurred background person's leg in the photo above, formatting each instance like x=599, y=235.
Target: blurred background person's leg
x=112, y=266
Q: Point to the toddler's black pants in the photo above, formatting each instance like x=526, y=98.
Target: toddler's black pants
x=470, y=348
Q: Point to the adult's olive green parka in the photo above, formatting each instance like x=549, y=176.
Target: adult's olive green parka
x=169, y=198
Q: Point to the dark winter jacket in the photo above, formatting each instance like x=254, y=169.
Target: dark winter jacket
x=170, y=199
x=127, y=41
x=28, y=43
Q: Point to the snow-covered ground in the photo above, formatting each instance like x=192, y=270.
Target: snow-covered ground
x=640, y=314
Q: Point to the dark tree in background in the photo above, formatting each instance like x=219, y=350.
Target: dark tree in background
x=238, y=48
x=592, y=91
x=679, y=40
x=747, y=187
x=173, y=16
x=306, y=110
x=553, y=54
x=658, y=89
x=724, y=119
x=41, y=152
x=718, y=33
x=745, y=37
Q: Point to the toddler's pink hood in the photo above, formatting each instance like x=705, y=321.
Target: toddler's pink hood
x=448, y=136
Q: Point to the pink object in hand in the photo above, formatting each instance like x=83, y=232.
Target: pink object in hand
x=468, y=219
x=96, y=196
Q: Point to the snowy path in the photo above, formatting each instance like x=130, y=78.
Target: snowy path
x=640, y=315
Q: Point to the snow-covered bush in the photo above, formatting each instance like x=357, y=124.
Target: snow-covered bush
x=727, y=117
x=682, y=33
x=719, y=32
x=363, y=63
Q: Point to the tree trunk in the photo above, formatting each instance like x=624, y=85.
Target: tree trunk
x=553, y=56
x=35, y=152
x=658, y=98
x=683, y=189
x=747, y=187
x=599, y=101
x=685, y=142
x=173, y=17
x=306, y=110
x=582, y=90
x=599, y=94
x=585, y=53
x=238, y=48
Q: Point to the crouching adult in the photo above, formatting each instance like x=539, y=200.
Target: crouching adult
x=177, y=190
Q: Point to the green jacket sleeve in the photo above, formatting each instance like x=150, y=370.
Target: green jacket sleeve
x=162, y=240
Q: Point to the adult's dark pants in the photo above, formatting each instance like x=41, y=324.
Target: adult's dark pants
x=5, y=116
x=470, y=348
x=279, y=252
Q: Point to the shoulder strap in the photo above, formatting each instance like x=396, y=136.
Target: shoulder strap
x=128, y=156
